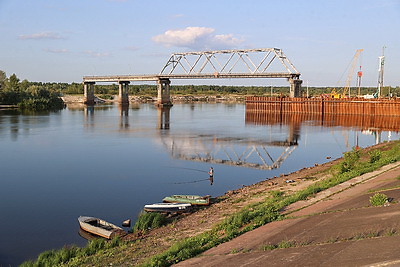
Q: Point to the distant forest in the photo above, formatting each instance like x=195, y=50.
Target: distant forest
x=151, y=90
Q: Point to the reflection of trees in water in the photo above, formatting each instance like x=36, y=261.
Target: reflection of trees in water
x=21, y=122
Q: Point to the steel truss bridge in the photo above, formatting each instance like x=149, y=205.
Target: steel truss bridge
x=221, y=64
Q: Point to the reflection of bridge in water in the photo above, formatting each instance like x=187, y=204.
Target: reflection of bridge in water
x=236, y=151
x=240, y=151
x=247, y=151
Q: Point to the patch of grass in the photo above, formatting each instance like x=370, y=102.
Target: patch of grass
x=269, y=247
x=235, y=250
x=286, y=244
x=364, y=235
x=391, y=232
x=378, y=199
x=238, y=200
x=67, y=254
x=149, y=220
x=333, y=240
x=276, y=193
x=259, y=193
x=349, y=160
x=282, y=244
x=375, y=155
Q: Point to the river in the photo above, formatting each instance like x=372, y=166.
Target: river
x=109, y=162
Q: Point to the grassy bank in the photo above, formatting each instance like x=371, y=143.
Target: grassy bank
x=353, y=164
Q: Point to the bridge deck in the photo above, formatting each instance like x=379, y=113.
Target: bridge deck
x=155, y=77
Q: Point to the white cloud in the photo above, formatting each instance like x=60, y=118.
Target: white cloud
x=197, y=38
x=41, y=35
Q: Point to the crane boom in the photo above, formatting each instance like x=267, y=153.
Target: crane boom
x=351, y=71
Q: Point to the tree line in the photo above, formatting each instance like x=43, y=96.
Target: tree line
x=47, y=96
x=28, y=95
x=151, y=90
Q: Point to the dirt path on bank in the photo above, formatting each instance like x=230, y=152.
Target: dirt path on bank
x=338, y=227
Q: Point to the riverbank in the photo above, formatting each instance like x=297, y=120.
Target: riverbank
x=69, y=99
x=309, y=189
x=337, y=227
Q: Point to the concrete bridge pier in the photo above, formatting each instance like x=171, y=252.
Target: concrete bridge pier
x=88, y=91
x=163, y=93
x=295, y=87
x=123, y=92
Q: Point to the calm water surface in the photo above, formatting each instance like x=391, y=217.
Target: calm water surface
x=108, y=163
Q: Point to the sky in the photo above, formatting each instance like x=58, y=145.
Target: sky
x=62, y=41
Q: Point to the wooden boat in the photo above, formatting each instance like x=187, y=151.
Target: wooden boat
x=168, y=207
x=192, y=199
x=100, y=227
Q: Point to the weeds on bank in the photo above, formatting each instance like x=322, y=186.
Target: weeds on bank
x=149, y=220
x=66, y=254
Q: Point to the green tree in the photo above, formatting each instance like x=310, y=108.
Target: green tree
x=13, y=83
x=3, y=79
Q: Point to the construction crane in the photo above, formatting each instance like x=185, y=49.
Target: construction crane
x=346, y=87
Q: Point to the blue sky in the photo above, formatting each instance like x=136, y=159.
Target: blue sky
x=61, y=41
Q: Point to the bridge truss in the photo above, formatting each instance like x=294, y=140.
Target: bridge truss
x=264, y=62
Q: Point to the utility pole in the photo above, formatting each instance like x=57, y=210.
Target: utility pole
x=380, y=71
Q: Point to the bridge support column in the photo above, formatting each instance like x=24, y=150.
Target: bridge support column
x=295, y=87
x=88, y=91
x=123, y=93
x=163, y=94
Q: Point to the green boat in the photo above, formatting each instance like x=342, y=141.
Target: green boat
x=192, y=199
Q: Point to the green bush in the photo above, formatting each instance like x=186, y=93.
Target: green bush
x=349, y=160
x=375, y=155
x=378, y=199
